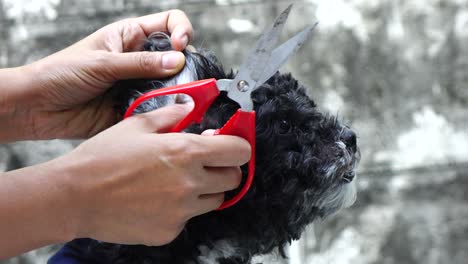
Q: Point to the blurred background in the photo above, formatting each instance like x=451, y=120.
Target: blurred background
x=395, y=70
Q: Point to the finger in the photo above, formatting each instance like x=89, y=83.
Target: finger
x=179, y=38
x=175, y=22
x=128, y=34
x=161, y=120
x=217, y=179
x=131, y=34
x=224, y=151
x=132, y=65
x=209, y=202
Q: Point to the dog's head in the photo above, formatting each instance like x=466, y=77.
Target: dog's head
x=305, y=161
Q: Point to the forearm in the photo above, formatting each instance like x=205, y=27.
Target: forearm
x=15, y=104
x=35, y=208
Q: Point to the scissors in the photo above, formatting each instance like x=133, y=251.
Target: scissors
x=262, y=63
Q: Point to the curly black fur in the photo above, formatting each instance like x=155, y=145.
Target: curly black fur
x=305, y=162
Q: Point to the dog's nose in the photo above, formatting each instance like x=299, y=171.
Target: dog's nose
x=349, y=177
x=349, y=138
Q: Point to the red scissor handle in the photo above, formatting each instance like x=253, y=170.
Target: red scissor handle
x=203, y=94
x=241, y=124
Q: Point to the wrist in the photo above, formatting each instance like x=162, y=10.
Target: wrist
x=36, y=208
x=66, y=210
x=70, y=179
x=77, y=200
x=15, y=104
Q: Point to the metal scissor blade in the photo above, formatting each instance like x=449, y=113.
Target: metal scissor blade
x=252, y=68
x=281, y=55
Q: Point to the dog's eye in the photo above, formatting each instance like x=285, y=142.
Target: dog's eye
x=284, y=127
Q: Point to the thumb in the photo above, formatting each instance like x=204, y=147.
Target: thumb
x=161, y=120
x=145, y=64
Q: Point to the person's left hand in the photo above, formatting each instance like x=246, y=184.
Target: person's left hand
x=68, y=88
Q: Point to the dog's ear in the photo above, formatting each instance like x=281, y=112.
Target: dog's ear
x=158, y=41
x=260, y=96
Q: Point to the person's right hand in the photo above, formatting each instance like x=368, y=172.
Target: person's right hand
x=135, y=184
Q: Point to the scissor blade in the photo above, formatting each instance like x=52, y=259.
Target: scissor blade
x=252, y=68
x=281, y=55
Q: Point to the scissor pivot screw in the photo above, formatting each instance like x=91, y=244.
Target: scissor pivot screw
x=243, y=86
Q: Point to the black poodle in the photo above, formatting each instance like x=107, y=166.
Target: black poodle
x=305, y=166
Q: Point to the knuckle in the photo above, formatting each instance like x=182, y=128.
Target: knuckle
x=103, y=65
x=178, y=146
x=174, y=111
x=147, y=62
x=101, y=58
x=123, y=27
x=144, y=119
x=240, y=150
x=236, y=178
x=193, y=147
x=178, y=109
x=187, y=188
x=128, y=30
x=182, y=20
x=245, y=150
x=187, y=148
x=177, y=12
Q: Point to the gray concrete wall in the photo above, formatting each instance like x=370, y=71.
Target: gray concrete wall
x=396, y=70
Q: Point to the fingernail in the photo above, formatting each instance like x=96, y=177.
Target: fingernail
x=172, y=59
x=191, y=48
x=209, y=132
x=184, y=41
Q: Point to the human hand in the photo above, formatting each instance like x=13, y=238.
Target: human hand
x=69, y=87
x=144, y=189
